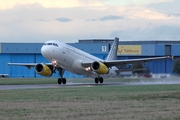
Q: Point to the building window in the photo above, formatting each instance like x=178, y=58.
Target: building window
x=103, y=48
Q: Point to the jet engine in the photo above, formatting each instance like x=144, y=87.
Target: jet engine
x=44, y=70
x=99, y=68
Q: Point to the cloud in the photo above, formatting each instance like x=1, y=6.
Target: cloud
x=43, y=20
x=63, y=19
x=107, y=18
x=51, y=3
x=163, y=32
x=37, y=22
x=111, y=17
x=166, y=6
x=169, y=8
x=92, y=20
x=174, y=14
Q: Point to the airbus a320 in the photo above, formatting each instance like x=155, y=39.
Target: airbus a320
x=65, y=57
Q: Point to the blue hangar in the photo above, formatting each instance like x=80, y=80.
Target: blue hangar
x=30, y=53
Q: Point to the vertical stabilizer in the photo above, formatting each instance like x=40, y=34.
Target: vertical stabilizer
x=113, y=51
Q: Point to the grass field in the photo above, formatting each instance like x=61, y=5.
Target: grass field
x=149, y=102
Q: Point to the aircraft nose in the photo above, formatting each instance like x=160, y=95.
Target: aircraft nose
x=44, y=51
x=49, y=49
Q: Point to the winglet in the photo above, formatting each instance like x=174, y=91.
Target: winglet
x=113, y=51
x=170, y=57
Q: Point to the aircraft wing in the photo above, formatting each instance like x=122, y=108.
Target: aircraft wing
x=126, y=70
x=132, y=61
x=127, y=61
x=28, y=65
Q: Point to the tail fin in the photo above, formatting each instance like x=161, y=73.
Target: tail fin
x=113, y=51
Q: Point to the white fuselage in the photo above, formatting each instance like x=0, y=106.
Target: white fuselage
x=70, y=58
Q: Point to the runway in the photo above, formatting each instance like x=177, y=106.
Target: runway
x=40, y=86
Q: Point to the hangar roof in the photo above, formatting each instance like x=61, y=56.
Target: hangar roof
x=36, y=47
x=131, y=42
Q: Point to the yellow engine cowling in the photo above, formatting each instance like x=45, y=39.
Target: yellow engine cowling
x=43, y=70
x=99, y=68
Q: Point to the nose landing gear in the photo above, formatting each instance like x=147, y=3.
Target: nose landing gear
x=61, y=79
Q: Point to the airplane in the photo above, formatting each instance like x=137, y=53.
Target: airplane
x=65, y=57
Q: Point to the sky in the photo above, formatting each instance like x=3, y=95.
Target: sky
x=37, y=21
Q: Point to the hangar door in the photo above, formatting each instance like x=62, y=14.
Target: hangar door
x=167, y=49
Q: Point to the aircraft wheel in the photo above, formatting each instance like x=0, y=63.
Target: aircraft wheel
x=64, y=80
x=101, y=80
x=96, y=80
x=59, y=80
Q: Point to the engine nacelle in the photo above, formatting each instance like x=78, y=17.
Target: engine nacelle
x=99, y=68
x=43, y=70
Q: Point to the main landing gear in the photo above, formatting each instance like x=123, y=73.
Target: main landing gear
x=98, y=79
x=61, y=79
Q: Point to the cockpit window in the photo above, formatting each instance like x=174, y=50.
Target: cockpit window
x=54, y=44
x=49, y=44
